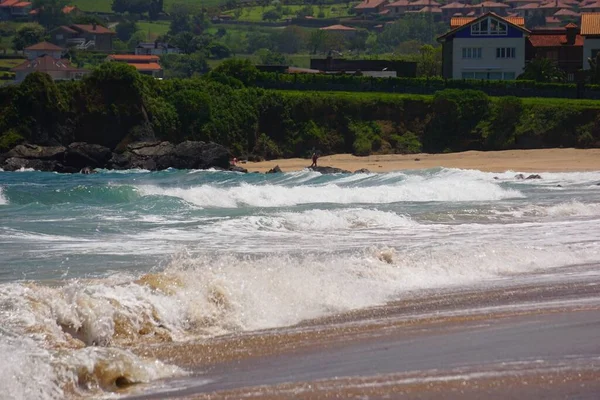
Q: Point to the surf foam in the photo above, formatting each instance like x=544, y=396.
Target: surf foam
x=3, y=199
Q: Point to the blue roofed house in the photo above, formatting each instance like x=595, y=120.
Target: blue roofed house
x=488, y=47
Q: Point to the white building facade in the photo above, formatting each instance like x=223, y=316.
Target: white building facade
x=488, y=48
x=590, y=30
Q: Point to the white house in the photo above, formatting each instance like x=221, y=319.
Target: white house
x=488, y=47
x=590, y=30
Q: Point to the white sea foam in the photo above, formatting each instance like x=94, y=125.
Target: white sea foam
x=415, y=189
x=565, y=209
x=3, y=199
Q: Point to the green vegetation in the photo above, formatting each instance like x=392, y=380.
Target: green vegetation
x=104, y=6
x=282, y=12
x=116, y=105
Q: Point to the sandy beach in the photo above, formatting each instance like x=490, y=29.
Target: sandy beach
x=543, y=160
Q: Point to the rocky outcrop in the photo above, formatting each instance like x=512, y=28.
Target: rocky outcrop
x=329, y=170
x=274, y=170
x=145, y=155
x=362, y=171
x=81, y=155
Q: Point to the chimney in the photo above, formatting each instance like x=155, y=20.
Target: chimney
x=94, y=25
x=571, y=33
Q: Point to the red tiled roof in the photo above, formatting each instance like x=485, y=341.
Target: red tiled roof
x=9, y=3
x=68, y=9
x=490, y=4
x=556, y=4
x=45, y=64
x=566, y=13
x=528, y=6
x=368, y=4
x=455, y=22
x=22, y=4
x=133, y=58
x=424, y=3
x=95, y=29
x=453, y=6
x=44, y=46
x=337, y=28
x=553, y=40
x=399, y=3
x=590, y=24
x=434, y=10
x=146, y=67
x=595, y=4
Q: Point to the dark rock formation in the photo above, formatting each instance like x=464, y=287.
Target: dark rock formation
x=329, y=170
x=275, y=170
x=35, y=152
x=81, y=155
x=519, y=176
x=235, y=168
x=534, y=176
x=145, y=155
x=362, y=171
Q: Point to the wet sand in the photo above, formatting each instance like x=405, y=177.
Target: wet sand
x=543, y=160
x=533, y=338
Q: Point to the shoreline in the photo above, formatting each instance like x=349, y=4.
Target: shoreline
x=539, y=160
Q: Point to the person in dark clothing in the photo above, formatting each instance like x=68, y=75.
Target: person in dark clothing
x=314, y=160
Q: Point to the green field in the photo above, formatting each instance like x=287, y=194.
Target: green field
x=154, y=29
x=104, y=5
x=255, y=14
x=6, y=64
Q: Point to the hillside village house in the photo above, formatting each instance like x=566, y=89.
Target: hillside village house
x=11, y=9
x=488, y=47
x=563, y=45
x=83, y=37
x=343, y=30
x=370, y=7
x=155, y=49
x=47, y=57
x=145, y=64
x=590, y=30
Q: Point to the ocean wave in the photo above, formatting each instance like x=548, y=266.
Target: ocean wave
x=3, y=199
x=414, y=189
x=318, y=220
x=572, y=208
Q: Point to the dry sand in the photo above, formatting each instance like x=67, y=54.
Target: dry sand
x=544, y=160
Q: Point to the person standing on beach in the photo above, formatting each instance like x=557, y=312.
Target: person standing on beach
x=314, y=160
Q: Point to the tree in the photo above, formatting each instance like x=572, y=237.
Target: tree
x=180, y=19
x=271, y=15
x=40, y=105
x=430, y=61
x=594, y=68
x=50, y=12
x=130, y=6
x=193, y=110
x=243, y=70
x=155, y=8
x=358, y=41
x=126, y=29
x=268, y=57
x=542, y=70
x=184, y=66
x=291, y=40
x=219, y=51
x=316, y=41
x=27, y=35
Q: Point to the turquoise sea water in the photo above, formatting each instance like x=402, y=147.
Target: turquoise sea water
x=193, y=254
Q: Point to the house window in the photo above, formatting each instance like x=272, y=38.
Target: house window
x=552, y=54
x=60, y=36
x=471, y=52
x=488, y=75
x=505, y=52
x=489, y=26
